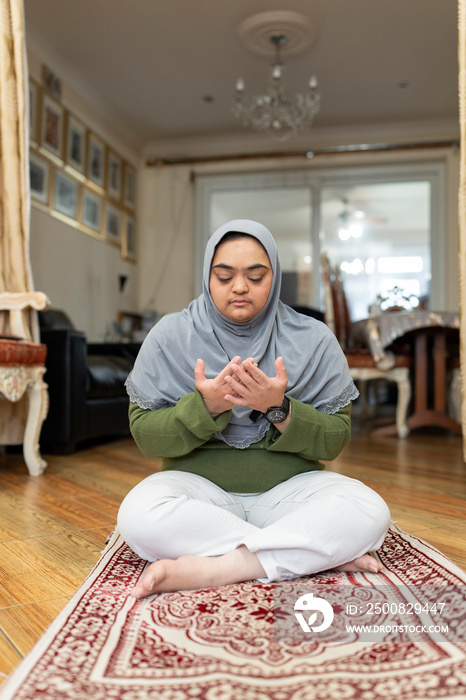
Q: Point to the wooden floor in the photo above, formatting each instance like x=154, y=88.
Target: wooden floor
x=53, y=527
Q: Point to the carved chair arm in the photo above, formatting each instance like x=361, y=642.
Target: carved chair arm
x=17, y=306
x=19, y=301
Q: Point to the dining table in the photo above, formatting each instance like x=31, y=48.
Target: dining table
x=433, y=337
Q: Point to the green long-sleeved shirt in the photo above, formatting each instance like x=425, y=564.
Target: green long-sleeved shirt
x=183, y=436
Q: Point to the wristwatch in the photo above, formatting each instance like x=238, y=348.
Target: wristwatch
x=277, y=414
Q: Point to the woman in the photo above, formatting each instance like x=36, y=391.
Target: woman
x=241, y=396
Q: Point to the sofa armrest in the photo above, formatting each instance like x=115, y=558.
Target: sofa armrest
x=127, y=350
x=66, y=378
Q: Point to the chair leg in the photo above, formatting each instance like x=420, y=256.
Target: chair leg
x=404, y=396
x=38, y=407
x=454, y=403
x=362, y=386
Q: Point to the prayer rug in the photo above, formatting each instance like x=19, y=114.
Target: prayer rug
x=226, y=643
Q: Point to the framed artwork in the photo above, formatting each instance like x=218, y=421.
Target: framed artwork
x=91, y=212
x=75, y=144
x=33, y=112
x=65, y=199
x=114, y=172
x=52, y=82
x=112, y=224
x=51, y=133
x=129, y=239
x=96, y=161
x=129, y=187
x=39, y=172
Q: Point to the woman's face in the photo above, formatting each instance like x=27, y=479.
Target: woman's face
x=240, y=278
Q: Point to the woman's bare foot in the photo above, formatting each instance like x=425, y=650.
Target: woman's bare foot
x=190, y=571
x=364, y=563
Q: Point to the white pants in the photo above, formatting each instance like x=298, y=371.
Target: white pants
x=312, y=522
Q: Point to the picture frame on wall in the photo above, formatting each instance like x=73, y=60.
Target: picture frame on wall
x=129, y=239
x=39, y=177
x=75, y=144
x=96, y=161
x=51, y=132
x=114, y=175
x=112, y=224
x=129, y=198
x=52, y=83
x=34, y=97
x=65, y=198
x=91, y=212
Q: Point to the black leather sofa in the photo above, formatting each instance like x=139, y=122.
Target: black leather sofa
x=88, y=399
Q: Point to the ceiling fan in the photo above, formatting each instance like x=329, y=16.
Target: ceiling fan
x=350, y=216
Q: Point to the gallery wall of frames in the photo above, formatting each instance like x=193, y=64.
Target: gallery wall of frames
x=76, y=177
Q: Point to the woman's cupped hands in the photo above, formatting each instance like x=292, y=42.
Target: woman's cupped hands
x=241, y=384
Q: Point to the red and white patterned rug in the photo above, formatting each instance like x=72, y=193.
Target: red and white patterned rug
x=245, y=642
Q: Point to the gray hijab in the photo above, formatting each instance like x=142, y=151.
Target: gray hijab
x=317, y=369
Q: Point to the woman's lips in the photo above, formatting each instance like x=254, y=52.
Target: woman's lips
x=240, y=302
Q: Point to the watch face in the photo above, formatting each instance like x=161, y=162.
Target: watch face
x=276, y=415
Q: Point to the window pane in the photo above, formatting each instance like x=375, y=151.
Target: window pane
x=379, y=237
x=286, y=211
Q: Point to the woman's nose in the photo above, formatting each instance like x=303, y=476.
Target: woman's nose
x=240, y=284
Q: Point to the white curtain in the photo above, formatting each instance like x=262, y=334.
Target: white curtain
x=15, y=274
x=462, y=205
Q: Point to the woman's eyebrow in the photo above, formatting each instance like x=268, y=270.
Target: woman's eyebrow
x=230, y=267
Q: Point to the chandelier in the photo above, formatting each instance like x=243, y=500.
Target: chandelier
x=272, y=112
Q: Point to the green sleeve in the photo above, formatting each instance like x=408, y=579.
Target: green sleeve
x=312, y=434
x=177, y=430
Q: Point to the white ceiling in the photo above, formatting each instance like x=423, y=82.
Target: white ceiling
x=153, y=62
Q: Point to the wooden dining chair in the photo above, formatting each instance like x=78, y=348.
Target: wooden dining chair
x=362, y=365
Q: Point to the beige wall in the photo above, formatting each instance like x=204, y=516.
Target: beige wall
x=80, y=274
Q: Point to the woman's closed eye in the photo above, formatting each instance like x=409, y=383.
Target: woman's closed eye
x=256, y=279
x=229, y=279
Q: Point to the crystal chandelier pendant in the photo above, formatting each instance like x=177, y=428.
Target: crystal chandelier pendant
x=272, y=112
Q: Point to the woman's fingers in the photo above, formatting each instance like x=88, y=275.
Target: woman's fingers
x=249, y=370
x=236, y=399
x=228, y=369
x=199, y=371
x=281, y=370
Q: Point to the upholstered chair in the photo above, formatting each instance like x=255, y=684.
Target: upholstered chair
x=23, y=392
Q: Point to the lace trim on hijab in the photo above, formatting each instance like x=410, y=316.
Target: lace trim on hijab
x=136, y=396
x=243, y=443
x=349, y=394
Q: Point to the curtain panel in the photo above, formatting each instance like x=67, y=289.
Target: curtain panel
x=15, y=273
x=462, y=206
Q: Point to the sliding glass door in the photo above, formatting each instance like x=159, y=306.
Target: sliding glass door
x=382, y=227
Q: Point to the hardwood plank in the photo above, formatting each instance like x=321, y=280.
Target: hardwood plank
x=43, y=568
x=26, y=623
x=450, y=541
x=416, y=521
x=9, y=658
x=46, y=513
x=96, y=479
